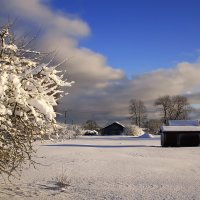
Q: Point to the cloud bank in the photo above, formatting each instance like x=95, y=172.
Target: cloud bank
x=101, y=92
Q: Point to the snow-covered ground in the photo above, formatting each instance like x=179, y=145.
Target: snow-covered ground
x=112, y=167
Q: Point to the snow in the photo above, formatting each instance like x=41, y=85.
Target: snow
x=145, y=135
x=10, y=47
x=183, y=123
x=133, y=130
x=94, y=132
x=28, y=93
x=3, y=81
x=108, y=124
x=113, y=167
x=2, y=110
x=43, y=107
x=119, y=123
x=27, y=84
x=180, y=128
x=15, y=80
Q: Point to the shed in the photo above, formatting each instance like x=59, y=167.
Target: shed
x=180, y=133
x=113, y=129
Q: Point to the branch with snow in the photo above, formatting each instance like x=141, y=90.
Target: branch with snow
x=29, y=90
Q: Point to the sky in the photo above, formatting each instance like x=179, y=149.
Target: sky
x=116, y=50
x=139, y=36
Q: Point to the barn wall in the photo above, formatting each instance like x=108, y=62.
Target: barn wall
x=182, y=138
x=113, y=129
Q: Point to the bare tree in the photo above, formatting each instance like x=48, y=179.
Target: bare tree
x=137, y=110
x=91, y=125
x=181, y=108
x=165, y=103
x=173, y=107
x=153, y=125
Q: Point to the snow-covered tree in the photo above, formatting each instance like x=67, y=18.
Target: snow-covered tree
x=28, y=93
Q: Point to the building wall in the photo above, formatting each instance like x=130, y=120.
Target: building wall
x=113, y=129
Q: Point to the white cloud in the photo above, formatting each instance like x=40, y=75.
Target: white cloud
x=114, y=99
x=37, y=12
x=88, y=68
x=100, y=91
x=63, y=32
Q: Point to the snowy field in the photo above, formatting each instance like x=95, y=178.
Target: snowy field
x=112, y=167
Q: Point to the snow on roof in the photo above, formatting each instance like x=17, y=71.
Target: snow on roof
x=118, y=123
x=114, y=123
x=180, y=128
x=183, y=123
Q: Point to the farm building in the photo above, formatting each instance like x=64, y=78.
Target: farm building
x=180, y=133
x=113, y=129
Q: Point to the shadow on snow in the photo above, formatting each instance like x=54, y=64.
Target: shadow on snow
x=96, y=146
x=116, y=138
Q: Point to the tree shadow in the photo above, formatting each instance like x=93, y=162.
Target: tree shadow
x=97, y=146
x=124, y=138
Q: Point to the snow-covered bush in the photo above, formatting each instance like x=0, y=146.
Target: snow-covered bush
x=64, y=131
x=28, y=94
x=90, y=132
x=133, y=130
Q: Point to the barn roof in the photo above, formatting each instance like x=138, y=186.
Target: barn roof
x=114, y=123
x=118, y=123
x=183, y=123
x=180, y=128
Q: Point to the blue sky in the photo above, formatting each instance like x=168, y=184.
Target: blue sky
x=139, y=36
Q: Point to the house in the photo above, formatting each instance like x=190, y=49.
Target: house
x=180, y=133
x=113, y=129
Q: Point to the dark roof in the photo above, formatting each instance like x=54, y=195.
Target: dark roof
x=113, y=124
